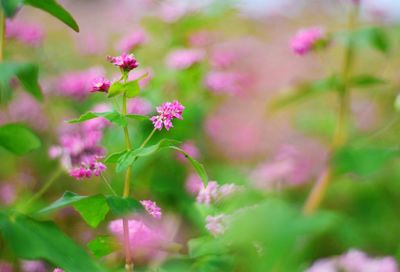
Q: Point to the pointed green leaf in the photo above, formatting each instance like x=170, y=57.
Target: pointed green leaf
x=18, y=139
x=10, y=7
x=131, y=88
x=67, y=199
x=365, y=81
x=102, y=245
x=114, y=157
x=115, y=89
x=112, y=116
x=55, y=9
x=138, y=117
x=93, y=209
x=121, y=206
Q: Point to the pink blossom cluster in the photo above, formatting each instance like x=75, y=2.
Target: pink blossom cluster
x=214, y=192
x=77, y=84
x=355, y=261
x=88, y=169
x=181, y=59
x=29, y=34
x=152, y=208
x=305, y=40
x=100, y=84
x=33, y=266
x=132, y=41
x=193, y=184
x=216, y=225
x=190, y=148
x=139, y=106
x=166, y=113
x=126, y=62
x=226, y=82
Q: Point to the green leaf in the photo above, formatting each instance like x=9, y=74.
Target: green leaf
x=307, y=90
x=112, y=116
x=31, y=239
x=198, y=167
x=93, y=209
x=115, y=89
x=18, y=139
x=129, y=157
x=122, y=206
x=365, y=81
x=27, y=73
x=131, y=88
x=114, y=157
x=10, y=7
x=102, y=245
x=53, y=8
x=205, y=245
x=379, y=40
x=361, y=161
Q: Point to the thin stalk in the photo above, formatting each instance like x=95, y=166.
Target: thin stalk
x=341, y=132
x=56, y=174
x=2, y=33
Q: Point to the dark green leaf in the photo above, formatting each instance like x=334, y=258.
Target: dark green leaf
x=30, y=239
x=122, y=206
x=102, y=245
x=379, y=40
x=18, y=139
x=365, y=81
x=93, y=209
x=10, y=7
x=132, y=88
x=53, y=8
x=361, y=161
x=68, y=198
x=27, y=73
x=114, y=157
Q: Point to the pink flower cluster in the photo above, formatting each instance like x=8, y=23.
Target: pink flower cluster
x=166, y=113
x=355, y=261
x=77, y=84
x=87, y=170
x=193, y=184
x=184, y=58
x=126, y=62
x=213, y=192
x=29, y=34
x=152, y=208
x=100, y=84
x=33, y=266
x=132, y=41
x=139, y=106
x=216, y=225
x=226, y=82
x=305, y=40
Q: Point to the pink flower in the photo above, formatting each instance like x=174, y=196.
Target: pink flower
x=100, y=84
x=305, y=40
x=323, y=265
x=184, y=58
x=166, y=113
x=145, y=75
x=213, y=192
x=87, y=170
x=126, y=62
x=190, y=148
x=200, y=38
x=139, y=106
x=58, y=270
x=6, y=267
x=33, y=266
x=7, y=194
x=29, y=34
x=193, y=184
x=132, y=41
x=152, y=208
x=220, y=82
x=216, y=225
x=223, y=58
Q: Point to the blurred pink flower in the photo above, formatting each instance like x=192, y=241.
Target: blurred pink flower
x=6, y=266
x=226, y=82
x=152, y=208
x=132, y=41
x=200, y=38
x=213, y=192
x=126, y=62
x=58, y=270
x=172, y=11
x=139, y=106
x=190, y=148
x=88, y=169
x=193, y=184
x=223, y=58
x=78, y=84
x=30, y=34
x=7, y=194
x=166, y=113
x=216, y=225
x=181, y=59
x=33, y=266
x=100, y=84
x=305, y=40
x=145, y=76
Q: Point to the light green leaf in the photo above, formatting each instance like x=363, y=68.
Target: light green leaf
x=131, y=88
x=121, y=206
x=137, y=117
x=18, y=139
x=115, y=89
x=55, y=9
x=68, y=198
x=114, y=157
x=365, y=81
x=112, y=116
x=102, y=245
x=31, y=239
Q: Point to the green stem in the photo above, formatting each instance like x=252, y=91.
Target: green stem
x=341, y=132
x=148, y=138
x=56, y=174
x=2, y=33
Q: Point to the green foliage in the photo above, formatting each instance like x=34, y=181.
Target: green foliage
x=18, y=139
x=364, y=81
x=121, y=206
x=27, y=73
x=129, y=89
x=361, y=161
x=10, y=7
x=102, y=245
x=93, y=209
x=31, y=239
x=374, y=37
x=112, y=116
